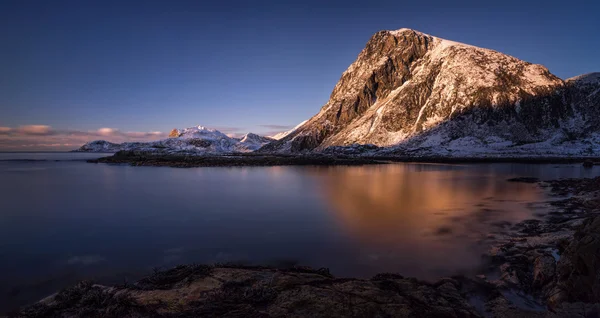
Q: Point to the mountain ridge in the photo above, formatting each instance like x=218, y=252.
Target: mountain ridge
x=406, y=83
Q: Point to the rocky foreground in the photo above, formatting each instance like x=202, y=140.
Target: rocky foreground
x=548, y=267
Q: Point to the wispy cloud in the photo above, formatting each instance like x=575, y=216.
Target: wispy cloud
x=43, y=137
x=278, y=127
x=230, y=129
x=275, y=129
x=35, y=130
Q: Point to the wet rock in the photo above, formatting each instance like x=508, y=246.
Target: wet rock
x=588, y=163
x=578, y=269
x=529, y=227
x=544, y=268
x=577, y=310
x=230, y=291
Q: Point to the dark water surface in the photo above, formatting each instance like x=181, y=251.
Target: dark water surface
x=63, y=221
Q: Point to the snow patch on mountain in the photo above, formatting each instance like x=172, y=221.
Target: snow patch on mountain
x=586, y=79
x=252, y=141
x=282, y=135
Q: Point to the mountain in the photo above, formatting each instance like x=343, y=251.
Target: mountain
x=584, y=93
x=253, y=141
x=194, y=140
x=415, y=93
x=99, y=146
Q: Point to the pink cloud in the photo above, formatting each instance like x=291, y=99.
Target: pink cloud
x=38, y=130
x=137, y=134
x=43, y=137
x=107, y=131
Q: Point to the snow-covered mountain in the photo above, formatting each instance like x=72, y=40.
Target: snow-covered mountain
x=410, y=91
x=253, y=141
x=100, y=146
x=195, y=140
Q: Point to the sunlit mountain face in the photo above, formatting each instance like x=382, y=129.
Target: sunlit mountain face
x=419, y=223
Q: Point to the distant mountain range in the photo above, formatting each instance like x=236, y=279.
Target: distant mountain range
x=195, y=140
x=410, y=93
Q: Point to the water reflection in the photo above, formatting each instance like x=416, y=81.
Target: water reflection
x=423, y=220
x=64, y=221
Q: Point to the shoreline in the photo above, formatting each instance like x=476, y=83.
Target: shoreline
x=538, y=268
x=135, y=158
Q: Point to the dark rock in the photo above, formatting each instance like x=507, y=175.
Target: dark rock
x=588, y=163
x=192, y=291
x=578, y=270
x=144, y=158
x=201, y=143
x=524, y=179
x=544, y=268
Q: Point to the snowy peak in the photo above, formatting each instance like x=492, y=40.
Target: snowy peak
x=201, y=132
x=253, y=141
x=99, y=146
x=586, y=79
x=407, y=86
x=254, y=138
x=438, y=40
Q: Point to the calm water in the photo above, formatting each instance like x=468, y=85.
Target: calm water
x=62, y=221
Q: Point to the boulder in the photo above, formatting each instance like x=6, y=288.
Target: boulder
x=578, y=270
x=544, y=268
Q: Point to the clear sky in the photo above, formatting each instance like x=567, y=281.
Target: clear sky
x=75, y=67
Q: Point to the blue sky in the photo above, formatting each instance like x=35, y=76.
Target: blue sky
x=145, y=66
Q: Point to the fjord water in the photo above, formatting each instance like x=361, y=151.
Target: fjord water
x=63, y=220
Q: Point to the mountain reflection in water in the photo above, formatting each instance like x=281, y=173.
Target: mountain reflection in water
x=423, y=220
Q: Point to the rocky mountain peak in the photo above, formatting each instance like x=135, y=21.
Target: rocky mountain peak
x=254, y=138
x=406, y=83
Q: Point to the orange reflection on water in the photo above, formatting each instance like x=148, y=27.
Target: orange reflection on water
x=415, y=219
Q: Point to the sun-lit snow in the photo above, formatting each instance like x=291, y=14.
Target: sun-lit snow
x=282, y=135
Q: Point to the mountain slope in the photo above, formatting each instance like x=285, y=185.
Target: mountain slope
x=412, y=90
x=282, y=135
x=253, y=142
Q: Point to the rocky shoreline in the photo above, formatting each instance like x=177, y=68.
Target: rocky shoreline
x=554, y=261
x=547, y=267
x=140, y=158
x=143, y=158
